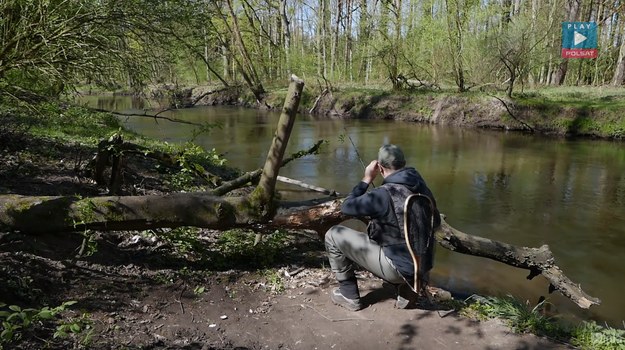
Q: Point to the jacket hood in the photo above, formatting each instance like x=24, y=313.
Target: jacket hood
x=408, y=176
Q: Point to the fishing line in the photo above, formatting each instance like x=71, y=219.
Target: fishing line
x=356, y=149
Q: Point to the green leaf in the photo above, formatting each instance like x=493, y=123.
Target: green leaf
x=75, y=328
x=6, y=334
x=45, y=314
x=15, y=308
x=59, y=334
x=4, y=313
x=69, y=303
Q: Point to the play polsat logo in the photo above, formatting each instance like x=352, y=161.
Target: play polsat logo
x=579, y=40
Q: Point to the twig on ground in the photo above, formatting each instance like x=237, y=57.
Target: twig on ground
x=179, y=300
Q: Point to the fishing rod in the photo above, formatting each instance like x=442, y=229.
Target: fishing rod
x=356, y=149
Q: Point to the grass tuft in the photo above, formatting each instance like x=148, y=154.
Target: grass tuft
x=523, y=318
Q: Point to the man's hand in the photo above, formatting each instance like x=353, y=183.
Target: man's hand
x=371, y=171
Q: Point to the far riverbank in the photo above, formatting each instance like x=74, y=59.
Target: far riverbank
x=565, y=112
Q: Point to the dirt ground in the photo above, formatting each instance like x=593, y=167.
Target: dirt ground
x=134, y=294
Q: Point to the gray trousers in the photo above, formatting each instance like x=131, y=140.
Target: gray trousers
x=347, y=247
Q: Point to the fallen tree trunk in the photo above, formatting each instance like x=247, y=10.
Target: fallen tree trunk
x=539, y=261
x=68, y=214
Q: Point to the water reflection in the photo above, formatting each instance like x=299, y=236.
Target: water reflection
x=520, y=189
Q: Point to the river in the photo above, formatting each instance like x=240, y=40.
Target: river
x=522, y=189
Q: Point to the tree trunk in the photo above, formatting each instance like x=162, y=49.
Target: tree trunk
x=456, y=18
x=363, y=39
x=248, y=71
x=286, y=34
x=335, y=38
x=619, y=72
x=266, y=186
x=348, y=40
x=537, y=260
x=572, y=10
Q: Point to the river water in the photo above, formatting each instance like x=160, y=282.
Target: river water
x=520, y=189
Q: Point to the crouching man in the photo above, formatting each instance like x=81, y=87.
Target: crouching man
x=383, y=249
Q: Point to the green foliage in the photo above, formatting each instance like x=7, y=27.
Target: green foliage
x=81, y=328
x=49, y=45
x=237, y=247
x=275, y=283
x=184, y=239
x=68, y=124
x=193, y=161
x=16, y=320
x=589, y=335
x=445, y=42
x=199, y=290
x=520, y=317
x=523, y=318
x=193, y=156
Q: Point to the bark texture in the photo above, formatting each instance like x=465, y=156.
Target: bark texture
x=539, y=261
x=267, y=183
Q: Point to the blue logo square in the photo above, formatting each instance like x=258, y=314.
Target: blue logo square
x=579, y=35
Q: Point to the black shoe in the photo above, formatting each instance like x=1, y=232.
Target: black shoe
x=349, y=304
x=406, y=297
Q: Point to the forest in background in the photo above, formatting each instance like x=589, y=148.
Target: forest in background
x=52, y=46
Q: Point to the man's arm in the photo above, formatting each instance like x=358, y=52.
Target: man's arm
x=363, y=203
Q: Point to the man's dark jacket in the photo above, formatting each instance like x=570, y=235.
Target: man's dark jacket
x=383, y=228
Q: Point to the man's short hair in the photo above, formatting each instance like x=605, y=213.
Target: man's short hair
x=391, y=157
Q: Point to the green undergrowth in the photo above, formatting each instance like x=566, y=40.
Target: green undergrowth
x=57, y=127
x=524, y=318
x=232, y=249
x=16, y=322
x=245, y=248
x=235, y=248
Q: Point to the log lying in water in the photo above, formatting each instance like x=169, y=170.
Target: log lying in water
x=539, y=261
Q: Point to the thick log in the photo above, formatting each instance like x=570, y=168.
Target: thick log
x=70, y=213
x=66, y=214
x=532, y=259
x=539, y=261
